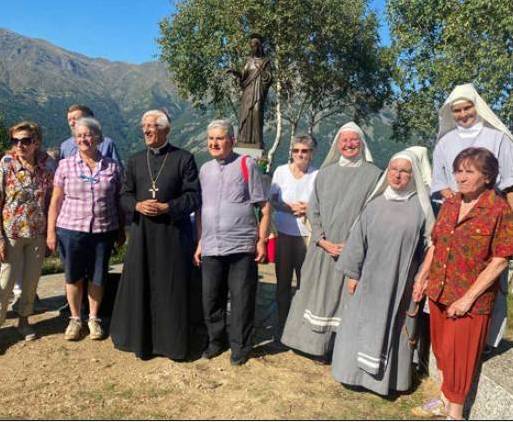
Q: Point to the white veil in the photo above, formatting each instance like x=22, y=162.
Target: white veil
x=419, y=186
x=424, y=164
x=468, y=92
x=333, y=155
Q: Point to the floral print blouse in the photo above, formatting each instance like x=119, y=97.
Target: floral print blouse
x=25, y=196
x=464, y=249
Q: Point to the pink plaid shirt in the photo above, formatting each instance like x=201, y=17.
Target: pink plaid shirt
x=90, y=198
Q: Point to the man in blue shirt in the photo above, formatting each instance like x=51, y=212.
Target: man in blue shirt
x=69, y=147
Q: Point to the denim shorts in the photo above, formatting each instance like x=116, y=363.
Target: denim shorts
x=85, y=255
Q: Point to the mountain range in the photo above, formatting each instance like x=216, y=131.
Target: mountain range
x=38, y=81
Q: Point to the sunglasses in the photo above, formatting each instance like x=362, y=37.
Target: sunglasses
x=297, y=150
x=24, y=141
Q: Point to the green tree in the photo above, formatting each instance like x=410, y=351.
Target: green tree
x=325, y=54
x=443, y=43
x=4, y=142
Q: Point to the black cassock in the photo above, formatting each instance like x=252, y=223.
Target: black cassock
x=150, y=314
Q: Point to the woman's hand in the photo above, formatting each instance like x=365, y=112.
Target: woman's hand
x=3, y=250
x=352, y=284
x=51, y=241
x=419, y=287
x=459, y=308
x=332, y=249
x=298, y=208
x=196, y=258
x=447, y=193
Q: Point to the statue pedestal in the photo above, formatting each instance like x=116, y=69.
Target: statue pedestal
x=247, y=149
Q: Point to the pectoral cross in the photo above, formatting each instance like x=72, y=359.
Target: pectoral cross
x=154, y=189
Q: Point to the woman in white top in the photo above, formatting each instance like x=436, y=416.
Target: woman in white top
x=290, y=191
x=467, y=121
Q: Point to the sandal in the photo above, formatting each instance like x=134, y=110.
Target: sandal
x=434, y=407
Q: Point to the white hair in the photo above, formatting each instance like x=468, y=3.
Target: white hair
x=93, y=125
x=222, y=124
x=307, y=140
x=162, y=118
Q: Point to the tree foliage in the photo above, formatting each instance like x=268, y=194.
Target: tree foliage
x=325, y=54
x=443, y=43
x=4, y=142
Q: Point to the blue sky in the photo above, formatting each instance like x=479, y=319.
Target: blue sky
x=123, y=30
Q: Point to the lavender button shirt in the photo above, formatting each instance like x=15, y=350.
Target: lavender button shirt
x=228, y=218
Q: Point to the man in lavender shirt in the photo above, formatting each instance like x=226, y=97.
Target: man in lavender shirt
x=231, y=242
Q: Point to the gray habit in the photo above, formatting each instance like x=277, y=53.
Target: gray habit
x=338, y=198
x=383, y=252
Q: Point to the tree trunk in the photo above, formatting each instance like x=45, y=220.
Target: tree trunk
x=277, y=138
x=293, y=128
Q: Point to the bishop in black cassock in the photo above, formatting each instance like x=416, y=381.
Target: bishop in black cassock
x=161, y=190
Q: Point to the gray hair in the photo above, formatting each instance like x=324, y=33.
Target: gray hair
x=162, y=118
x=93, y=125
x=222, y=124
x=307, y=140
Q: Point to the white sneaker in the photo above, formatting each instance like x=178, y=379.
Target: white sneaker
x=73, y=329
x=95, y=329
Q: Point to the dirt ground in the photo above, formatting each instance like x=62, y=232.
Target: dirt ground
x=54, y=379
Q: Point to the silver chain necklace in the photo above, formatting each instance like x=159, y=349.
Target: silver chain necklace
x=154, y=189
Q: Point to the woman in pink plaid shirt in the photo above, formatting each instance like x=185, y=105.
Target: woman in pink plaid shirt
x=84, y=221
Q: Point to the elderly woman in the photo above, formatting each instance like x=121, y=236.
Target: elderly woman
x=291, y=187
x=472, y=241
x=467, y=121
x=374, y=343
x=85, y=220
x=341, y=188
x=26, y=176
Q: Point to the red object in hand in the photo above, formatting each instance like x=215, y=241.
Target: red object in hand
x=271, y=249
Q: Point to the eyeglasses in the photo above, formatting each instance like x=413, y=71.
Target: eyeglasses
x=394, y=170
x=24, y=141
x=297, y=150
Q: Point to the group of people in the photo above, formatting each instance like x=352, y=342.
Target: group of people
x=375, y=251
x=365, y=245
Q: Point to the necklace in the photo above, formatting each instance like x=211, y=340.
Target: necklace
x=154, y=189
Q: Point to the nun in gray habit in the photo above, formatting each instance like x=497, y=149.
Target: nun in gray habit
x=345, y=181
x=375, y=339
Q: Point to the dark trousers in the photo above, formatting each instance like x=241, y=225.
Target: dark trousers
x=236, y=273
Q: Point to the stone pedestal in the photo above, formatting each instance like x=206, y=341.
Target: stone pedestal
x=491, y=396
x=247, y=149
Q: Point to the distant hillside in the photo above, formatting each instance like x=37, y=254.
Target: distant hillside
x=39, y=81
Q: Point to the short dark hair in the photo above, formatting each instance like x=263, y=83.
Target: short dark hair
x=86, y=111
x=482, y=159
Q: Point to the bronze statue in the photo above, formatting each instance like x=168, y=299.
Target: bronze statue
x=254, y=80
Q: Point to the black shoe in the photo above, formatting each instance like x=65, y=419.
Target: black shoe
x=238, y=360
x=211, y=352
